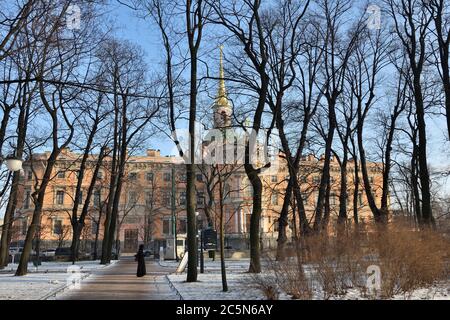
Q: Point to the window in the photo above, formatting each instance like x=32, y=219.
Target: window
x=132, y=176
x=166, y=199
x=166, y=226
x=148, y=198
x=132, y=197
x=249, y=191
x=274, y=198
x=29, y=175
x=59, y=197
x=199, y=177
x=360, y=199
x=247, y=221
x=61, y=174
x=200, y=198
x=183, y=177
x=333, y=199
x=166, y=176
x=57, y=227
x=94, y=227
x=182, y=226
x=316, y=179
x=26, y=203
x=183, y=198
x=149, y=176
x=100, y=175
x=24, y=227
x=97, y=198
x=304, y=196
x=274, y=179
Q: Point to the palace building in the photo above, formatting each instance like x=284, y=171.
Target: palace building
x=154, y=195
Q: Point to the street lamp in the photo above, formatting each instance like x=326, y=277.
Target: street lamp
x=12, y=163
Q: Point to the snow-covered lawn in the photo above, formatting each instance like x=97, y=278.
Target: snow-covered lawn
x=242, y=287
x=42, y=281
x=438, y=292
x=209, y=284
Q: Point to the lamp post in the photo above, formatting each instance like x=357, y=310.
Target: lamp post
x=202, y=260
x=12, y=163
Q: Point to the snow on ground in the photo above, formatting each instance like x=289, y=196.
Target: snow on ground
x=57, y=266
x=438, y=292
x=209, y=284
x=241, y=285
x=38, y=283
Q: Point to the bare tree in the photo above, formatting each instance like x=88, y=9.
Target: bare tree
x=441, y=17
x=132, y=114
x=243, y=19
x=337, y=52
x=60, y=56
x=411, y=24
x=369, y=59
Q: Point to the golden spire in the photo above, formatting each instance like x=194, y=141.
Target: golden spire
x=221, y=99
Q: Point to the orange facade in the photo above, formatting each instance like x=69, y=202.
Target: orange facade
x=145, y=211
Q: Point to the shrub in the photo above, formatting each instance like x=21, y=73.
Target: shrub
x=409, y=259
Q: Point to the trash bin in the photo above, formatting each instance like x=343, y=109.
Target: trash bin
x=212, y=254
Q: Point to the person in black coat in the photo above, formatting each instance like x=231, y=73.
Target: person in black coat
x=140, y=258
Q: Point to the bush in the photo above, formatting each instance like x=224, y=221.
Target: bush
x=408, y=259
x=267, y=284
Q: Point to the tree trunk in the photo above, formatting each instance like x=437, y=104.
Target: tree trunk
x=13, y=194
x=79, y=223
x=222, y=236
x=427, y=215
x=113, y=182
x=97, y=231
x=379, y=216
x=343, y=195
x=283, y=223
x=22, y=269
x=325, y=179
x=355, y=190
x=255, y=254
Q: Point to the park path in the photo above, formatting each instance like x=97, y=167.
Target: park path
x=119, y=282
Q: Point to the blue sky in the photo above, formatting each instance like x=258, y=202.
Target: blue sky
x=141, y=32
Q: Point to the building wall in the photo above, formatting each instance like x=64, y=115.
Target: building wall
x=145, y=204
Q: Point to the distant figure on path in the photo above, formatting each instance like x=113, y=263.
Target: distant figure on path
x=140, y=258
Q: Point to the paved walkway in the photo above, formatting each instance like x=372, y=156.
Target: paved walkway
x=119, y=282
